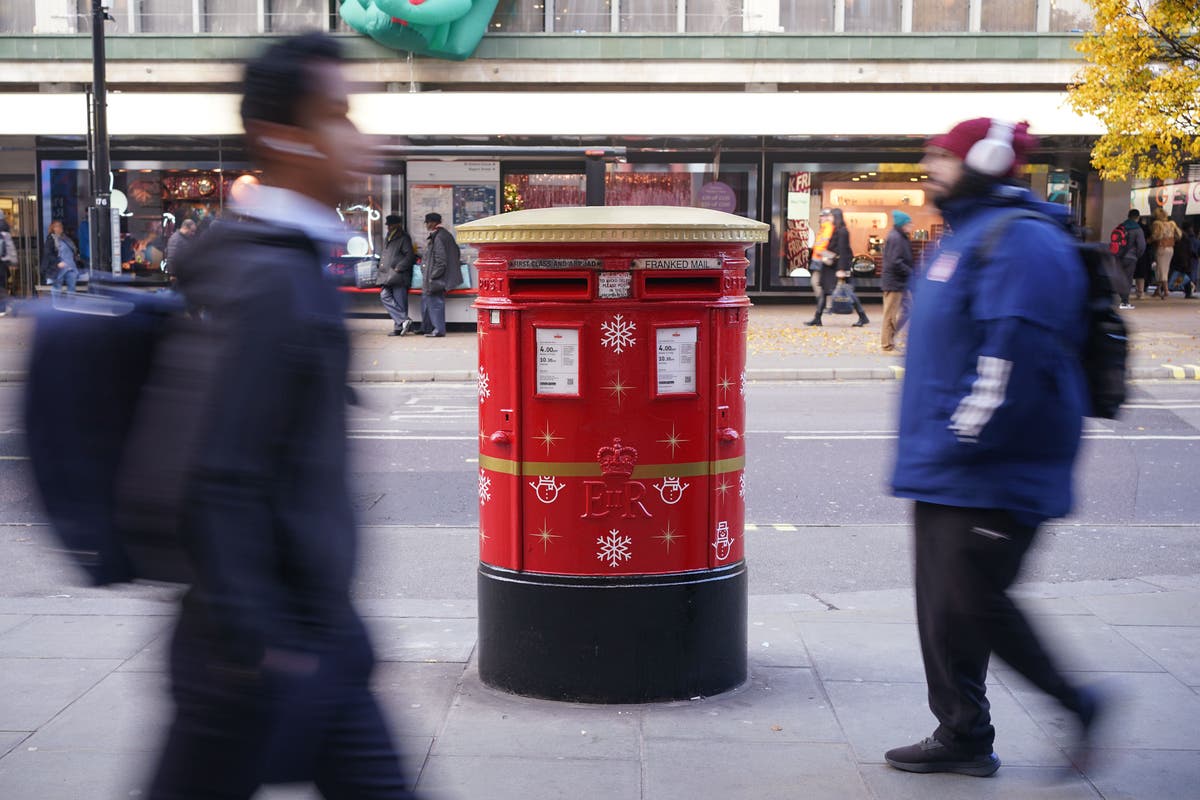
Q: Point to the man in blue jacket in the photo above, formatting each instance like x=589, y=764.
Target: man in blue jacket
x=990, y=420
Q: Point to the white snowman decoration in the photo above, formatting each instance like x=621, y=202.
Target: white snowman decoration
x=724, y=542
x=670, y=490
x=547, y=490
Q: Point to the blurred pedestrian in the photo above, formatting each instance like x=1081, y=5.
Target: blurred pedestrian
x=1182, y=273
x=396, y=273
x=843, y=263
x=824, y=277
x=991, y=415
x=1134, y=249
x=270, y=662
x=1164, y=233
x=1191, y=232
x=179, y=242
x=441, y=271
x=8, y=261
x=1144, y=271
x=897, y=270
x=60, y=259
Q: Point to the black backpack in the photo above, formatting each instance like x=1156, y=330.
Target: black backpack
x=108, y=430
x=1106, y=349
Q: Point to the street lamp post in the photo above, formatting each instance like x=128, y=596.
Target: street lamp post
x=101, y=228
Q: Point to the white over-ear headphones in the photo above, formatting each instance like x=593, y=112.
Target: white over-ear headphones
x=993, y=155
x=292, y=148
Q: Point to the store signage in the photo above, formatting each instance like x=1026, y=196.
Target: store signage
x=557, y=361
x=719, y=196
x=449, y=29
x=554, y=263
x=849, y=198
x=677, y=263
x=453, y=171
x=615, y=285
x=1193, y=205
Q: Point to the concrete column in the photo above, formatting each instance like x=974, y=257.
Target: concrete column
x=975, y=16
x=1043, y=16
x=906, y=16
x=55, y=16
x=1115, y=205
x=839, y=16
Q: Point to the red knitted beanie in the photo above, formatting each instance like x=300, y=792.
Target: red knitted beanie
x=959, y=139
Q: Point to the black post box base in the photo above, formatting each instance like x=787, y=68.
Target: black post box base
x=613, y=640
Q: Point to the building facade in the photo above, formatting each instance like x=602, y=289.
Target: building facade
x=767, y=108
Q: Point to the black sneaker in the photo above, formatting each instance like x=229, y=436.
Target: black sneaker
x=406, y=326
x=396, y=331
x=813, y=322
x=930, y=755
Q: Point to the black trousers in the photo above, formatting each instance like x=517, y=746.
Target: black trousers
x=966, y=559
x=236, y=729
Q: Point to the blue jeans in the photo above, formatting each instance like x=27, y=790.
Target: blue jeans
x=395, y=302
x=67, y=275
x=433, y=314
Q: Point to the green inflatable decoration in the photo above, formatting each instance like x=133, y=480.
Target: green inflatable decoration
x=440, y=28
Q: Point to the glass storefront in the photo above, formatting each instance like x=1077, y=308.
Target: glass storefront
x=866, y=193
x=158, y=197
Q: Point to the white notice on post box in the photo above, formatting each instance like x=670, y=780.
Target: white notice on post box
x=557, y=361
x=615, y=285
x=676, y=360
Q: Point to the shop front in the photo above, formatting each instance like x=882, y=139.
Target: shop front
x=152, y=199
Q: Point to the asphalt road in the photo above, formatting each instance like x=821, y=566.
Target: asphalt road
x=818, y=457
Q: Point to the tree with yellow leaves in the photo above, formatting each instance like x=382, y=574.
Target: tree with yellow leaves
x=1143, y=82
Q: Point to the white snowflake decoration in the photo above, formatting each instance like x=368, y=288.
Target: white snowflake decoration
x=614, y=548
x=742, y=387
x=485, y=487
x=742, y=485
x=483, y=385
x=618, y=333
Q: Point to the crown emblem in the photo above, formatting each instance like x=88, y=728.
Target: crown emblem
x=617, y=459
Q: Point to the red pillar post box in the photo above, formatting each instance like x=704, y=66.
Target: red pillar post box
x=612, y=353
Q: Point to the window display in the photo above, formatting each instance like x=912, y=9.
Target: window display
x=866, y=193
x=159, y=197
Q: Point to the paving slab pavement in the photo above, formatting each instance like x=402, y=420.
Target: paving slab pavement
x=1165, y=344
x=835, y=679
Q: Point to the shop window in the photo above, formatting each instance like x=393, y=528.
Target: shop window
x=231, y=16
x=519, y=16
x=872, y=16
x=941, y=16
x=159, y=196
x=297, y=15
x=714, y=16
x=648, y=16
x=524, y=190
x=18, y=16
x=732, y=190
x=167, y=16
x=866, y=194
x=583, y=16
x=1008, y=16
x=806, y=16
x=1071, y=15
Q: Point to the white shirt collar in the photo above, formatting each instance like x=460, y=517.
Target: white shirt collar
x=292, y=210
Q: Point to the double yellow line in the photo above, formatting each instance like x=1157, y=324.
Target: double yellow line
x=1179, y=372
